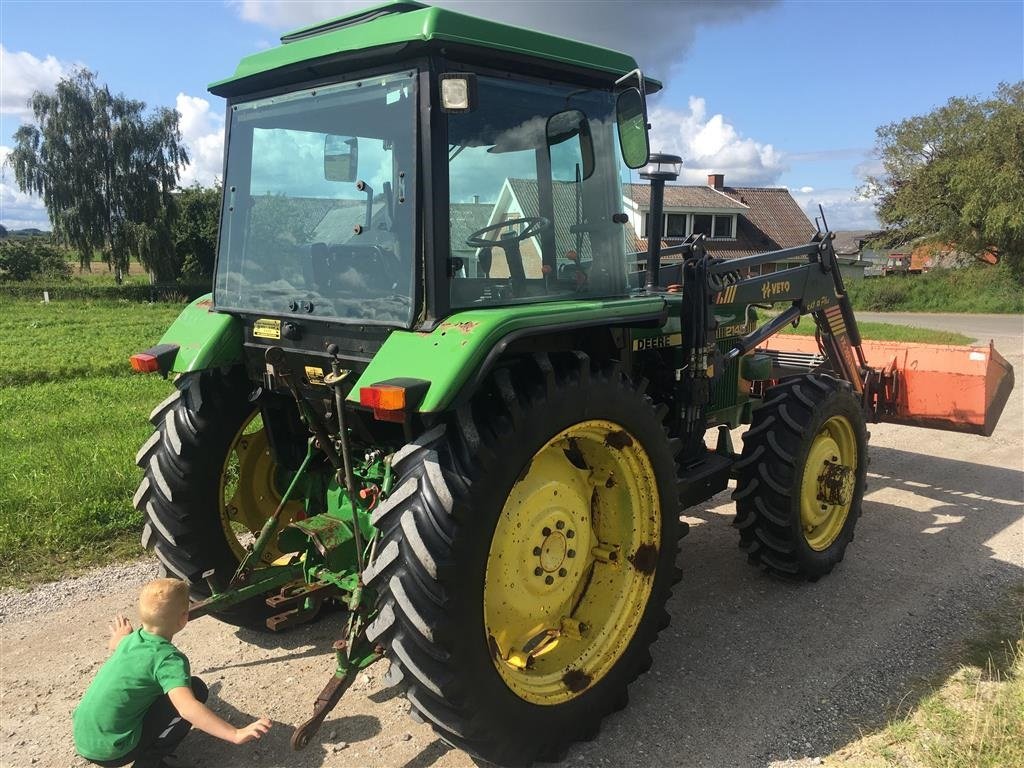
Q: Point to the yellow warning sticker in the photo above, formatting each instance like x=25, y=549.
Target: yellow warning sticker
x=315, y=375
x=267, y=329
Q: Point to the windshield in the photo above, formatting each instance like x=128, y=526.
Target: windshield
x=533, y=174
x=318, y=207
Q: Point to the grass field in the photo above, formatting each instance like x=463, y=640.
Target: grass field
x=73, y=414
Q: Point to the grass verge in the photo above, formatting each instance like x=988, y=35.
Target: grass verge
x=890, y=332
x=972, y=719
x=980, y=288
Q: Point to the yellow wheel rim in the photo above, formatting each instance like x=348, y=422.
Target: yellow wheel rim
x=249, y=490
x=572, y=562
x=827, y=487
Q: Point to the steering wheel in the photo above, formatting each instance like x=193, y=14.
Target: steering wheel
x=535, y=225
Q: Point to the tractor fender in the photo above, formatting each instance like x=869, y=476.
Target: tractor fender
x=205, y=338
x=457, y=355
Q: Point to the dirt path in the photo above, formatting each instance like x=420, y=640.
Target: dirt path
x=751, y=672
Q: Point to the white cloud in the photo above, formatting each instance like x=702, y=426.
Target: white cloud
x=202, y=131
x=713, y=145
x=806, y=190
x=21, y=74
x=654, y=31
x=844, y=208
x=18, y=210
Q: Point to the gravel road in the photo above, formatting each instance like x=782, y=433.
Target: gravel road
x=752, y=672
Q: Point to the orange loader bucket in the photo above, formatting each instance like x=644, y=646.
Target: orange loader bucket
x=958, y=389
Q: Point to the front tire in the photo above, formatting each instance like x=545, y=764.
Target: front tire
x=511, y=648
x=802, y=477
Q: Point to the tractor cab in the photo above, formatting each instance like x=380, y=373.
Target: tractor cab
x=394, y=166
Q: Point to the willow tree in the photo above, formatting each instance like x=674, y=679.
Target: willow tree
x=105, y=169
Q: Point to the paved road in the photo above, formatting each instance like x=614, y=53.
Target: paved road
x=751, y=672
x=1006, y=330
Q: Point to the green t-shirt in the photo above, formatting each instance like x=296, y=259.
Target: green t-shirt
x=108, y=720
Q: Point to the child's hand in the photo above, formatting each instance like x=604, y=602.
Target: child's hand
x=120, y=628
x=251, y=732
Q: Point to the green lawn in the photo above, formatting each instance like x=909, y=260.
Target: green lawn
x=67, y=341
x=72, y=415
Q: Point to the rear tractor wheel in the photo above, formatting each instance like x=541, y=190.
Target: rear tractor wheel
x=209, y=485
x=526, y=557
x=801, y=477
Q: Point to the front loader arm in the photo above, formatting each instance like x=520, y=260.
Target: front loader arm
x=960, y=389
x=815, y=288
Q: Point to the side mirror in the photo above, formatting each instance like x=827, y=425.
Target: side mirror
x=567, y=125
x=341, y=157
x=631, y=117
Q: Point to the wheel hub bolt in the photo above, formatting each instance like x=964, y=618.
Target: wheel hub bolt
x=560, y=525
x=562, y=572
x=536, y=550
x=546, y=531
x=538, y=571
x=549, y=579
x=571, y=553
x=570, y=533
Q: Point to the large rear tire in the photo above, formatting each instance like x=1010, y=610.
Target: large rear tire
x=801, y=477
x=526, y=557
x=209, y=481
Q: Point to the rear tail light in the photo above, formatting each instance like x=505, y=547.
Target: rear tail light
x=144, y=363
x=158, y=359
x=391, y=400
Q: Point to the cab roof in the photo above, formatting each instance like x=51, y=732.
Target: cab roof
x=399, y=26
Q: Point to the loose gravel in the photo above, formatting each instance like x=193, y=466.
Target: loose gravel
x=43, y=599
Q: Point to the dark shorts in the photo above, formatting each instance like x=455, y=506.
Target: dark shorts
x=162, y=730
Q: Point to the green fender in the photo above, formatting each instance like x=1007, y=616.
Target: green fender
x=206, y=339
x=463, y=346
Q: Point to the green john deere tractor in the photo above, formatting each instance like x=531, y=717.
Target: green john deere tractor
x=432, y=387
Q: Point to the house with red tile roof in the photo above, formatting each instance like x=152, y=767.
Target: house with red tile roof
x=737, y=221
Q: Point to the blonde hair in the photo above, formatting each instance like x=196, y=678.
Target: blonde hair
x=161, y=603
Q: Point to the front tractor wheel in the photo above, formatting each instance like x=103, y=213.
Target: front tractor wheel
x=801, y=477
x=209, y=485
x=526, y=557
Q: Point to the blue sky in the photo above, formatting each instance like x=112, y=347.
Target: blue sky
x=773, y=93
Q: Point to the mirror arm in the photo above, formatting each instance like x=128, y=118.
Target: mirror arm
x=639, y=75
